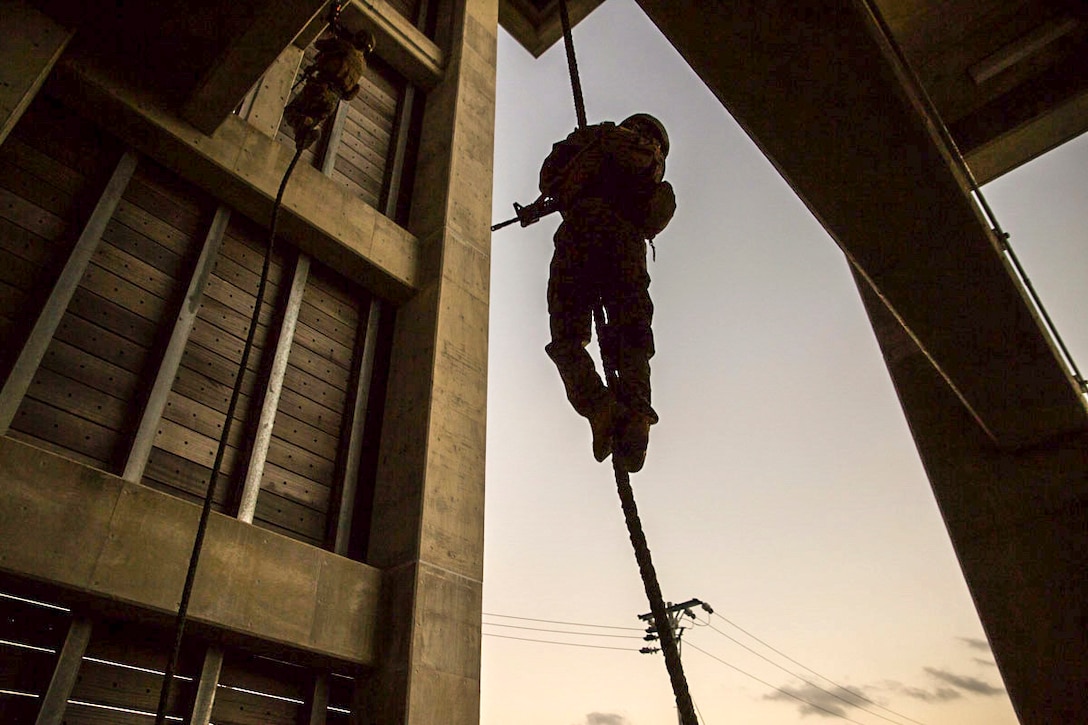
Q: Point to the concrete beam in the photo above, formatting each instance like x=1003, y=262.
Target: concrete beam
x=1031, y=140
x=1017, y=521
x=399, y=42
x=240, y=65
x=101, y=536
x=243, y=167
x=32, y=44
x=814, y=86
x=427, y=526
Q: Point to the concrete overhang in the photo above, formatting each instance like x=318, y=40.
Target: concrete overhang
x=536, y=24
x=1009, y=149
x=199, y=59
x=820, y=93
x=1009, y=78
x=116, y=545
x=244, y=167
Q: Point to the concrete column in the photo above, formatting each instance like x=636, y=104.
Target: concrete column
x=258, y=455
x=144, y=440
x=32, y=44
x=318, y=702
x=273, y=91
x=427, y=529
x=205, y=689
x=349, y=480
x=65, y=673
x=333, y=136
x=1017, y=521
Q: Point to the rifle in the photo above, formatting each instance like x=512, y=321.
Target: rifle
x=530, y=213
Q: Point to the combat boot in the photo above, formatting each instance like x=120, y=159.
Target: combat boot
x=633, y=437
x=602, y=422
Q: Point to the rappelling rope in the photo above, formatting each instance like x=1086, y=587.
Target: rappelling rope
x=205, y=512
x=609, y=359
x=572, y=66
x=669, y=645
x=653, y=593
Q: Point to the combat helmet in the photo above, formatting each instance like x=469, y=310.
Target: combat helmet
x=646, y=121
x=364, y=41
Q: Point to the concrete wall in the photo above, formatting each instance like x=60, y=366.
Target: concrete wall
x=95, y=534
x=32, y=44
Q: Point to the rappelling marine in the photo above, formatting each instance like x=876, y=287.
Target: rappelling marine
x=607, y=183
x=334, y=76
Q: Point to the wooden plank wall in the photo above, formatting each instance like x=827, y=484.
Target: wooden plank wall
x=362, y=158
x=257, y=690
x=31, y=636
x=301, y=475
x=88, y=391
x=47, y=190
x=341, y=692
x=192, y=424
x=121, y=675
x=88, y=394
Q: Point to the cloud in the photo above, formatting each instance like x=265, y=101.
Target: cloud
x=606, y=718
x=829, y=702
x=975, y=643
x=968, y=684
x=839, y=701
x=941, y=694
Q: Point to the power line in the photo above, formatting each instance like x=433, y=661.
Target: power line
x=698, y=712
x=561, y=631
x=568, y=644
x=773, y=687
x=806, y=681
x=809, y=669
x=569, y=624
x=697, y=623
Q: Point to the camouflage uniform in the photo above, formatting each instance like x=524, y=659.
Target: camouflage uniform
x=334, y=76
x=607, y=182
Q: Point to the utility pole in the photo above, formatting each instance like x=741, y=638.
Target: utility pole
x=673, y=613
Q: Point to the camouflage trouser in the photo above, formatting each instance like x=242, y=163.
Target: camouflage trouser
x=600, y=256
x=314, y=103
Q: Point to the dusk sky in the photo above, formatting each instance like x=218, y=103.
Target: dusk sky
x=781, y=486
